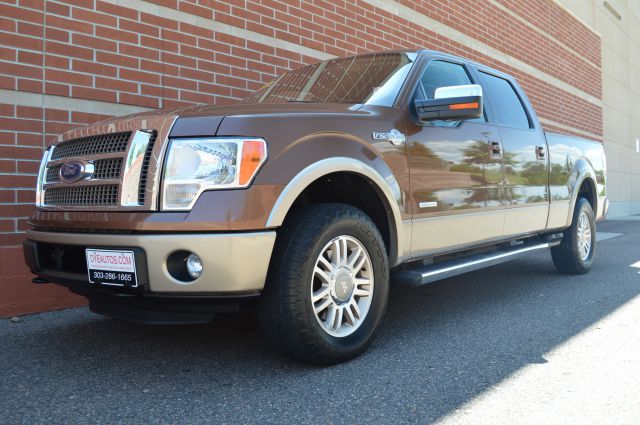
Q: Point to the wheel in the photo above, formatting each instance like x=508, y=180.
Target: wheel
x=576, y=253
x=328, y=285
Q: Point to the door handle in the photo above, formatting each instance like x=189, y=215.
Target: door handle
x=495, y=149
x=540, y=152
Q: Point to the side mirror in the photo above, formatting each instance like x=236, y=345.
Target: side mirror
x=451, y=103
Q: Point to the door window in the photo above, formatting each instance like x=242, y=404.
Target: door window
x=508, y=107
x=443, y=74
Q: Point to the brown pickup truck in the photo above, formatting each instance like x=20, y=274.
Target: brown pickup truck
x=309, y=197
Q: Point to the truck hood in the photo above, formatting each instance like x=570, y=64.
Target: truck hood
x=265, y=108
x=205, y=120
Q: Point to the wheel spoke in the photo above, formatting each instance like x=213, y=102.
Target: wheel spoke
x=362, y=291
x=322, y=275
x=362, y=281
x=358, y=266
x=339, y=318
x=323, y=305
x=355, y=255
x=356, y=310
x=343, y=251
x=335, y=260
x=326, y=263
x=331, y=316
x=348, y=316
x=580, y=224
x=320, y=294
x=363, y=288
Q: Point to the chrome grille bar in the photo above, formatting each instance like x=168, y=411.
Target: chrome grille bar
x=133, y=168
x=144, y=172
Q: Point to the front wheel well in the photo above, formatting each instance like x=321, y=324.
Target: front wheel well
x=355, y=190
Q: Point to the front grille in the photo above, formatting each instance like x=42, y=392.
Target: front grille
x=120, y=164
x=95, y=195
x=92, y=145
x=107, y=168
x=103, y=169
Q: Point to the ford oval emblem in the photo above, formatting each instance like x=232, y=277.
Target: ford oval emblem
x=72, y=171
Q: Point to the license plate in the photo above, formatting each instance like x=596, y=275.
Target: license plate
x=111, y=267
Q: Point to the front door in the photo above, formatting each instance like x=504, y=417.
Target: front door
x=456, y=173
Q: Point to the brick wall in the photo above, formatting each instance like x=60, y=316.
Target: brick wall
x=67, y=63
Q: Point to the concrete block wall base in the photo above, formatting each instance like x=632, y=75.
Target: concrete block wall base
x=19, y=296
x=619, y=210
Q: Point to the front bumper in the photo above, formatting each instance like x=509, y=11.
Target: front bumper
x=233, y=263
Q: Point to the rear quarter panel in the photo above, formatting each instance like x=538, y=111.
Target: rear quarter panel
x=572, y=160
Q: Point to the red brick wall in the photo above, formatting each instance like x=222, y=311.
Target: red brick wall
x=95, y=50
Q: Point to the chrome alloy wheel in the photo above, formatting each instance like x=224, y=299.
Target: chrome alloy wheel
x=584, y=236
x=342, y=286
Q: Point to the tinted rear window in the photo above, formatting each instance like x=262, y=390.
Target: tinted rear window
x=507, y=104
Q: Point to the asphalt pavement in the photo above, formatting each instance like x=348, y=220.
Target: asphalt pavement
x=514, y=343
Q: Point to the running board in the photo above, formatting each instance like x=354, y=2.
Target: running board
x=421, y=275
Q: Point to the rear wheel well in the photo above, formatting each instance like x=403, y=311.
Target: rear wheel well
x=587, y=191
x=355, y=190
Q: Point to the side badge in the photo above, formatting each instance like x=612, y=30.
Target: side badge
x=394, y=136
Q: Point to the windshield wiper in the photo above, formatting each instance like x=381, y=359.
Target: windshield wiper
x=300, y=101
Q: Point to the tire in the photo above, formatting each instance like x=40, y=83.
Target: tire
x=577, y=251
x=287, y=310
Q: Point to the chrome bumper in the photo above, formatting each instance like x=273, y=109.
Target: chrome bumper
x=233, y=263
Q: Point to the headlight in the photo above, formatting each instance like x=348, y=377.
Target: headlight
x=196, y=165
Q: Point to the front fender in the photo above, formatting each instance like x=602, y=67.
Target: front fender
x=317, y=155
x=385, y=182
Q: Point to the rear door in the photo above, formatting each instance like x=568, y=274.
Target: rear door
x=455, y=171
x=526, y=165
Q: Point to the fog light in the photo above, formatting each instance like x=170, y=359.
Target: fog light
x=194, y=266
x=184, y=266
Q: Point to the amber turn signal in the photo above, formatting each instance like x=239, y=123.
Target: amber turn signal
x=458, y=106
x=253, y=154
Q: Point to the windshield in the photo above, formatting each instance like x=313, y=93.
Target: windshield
x=373, y=79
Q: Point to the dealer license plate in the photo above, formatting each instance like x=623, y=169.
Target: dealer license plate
x=111, y=267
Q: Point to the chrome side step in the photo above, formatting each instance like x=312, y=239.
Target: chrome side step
x=421, y=275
